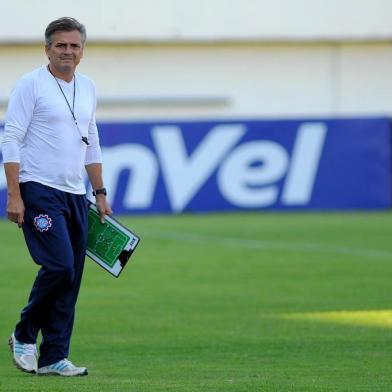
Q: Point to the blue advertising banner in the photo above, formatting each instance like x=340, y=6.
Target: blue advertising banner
x=201, y=166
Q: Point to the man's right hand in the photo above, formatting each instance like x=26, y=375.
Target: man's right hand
x=15, y=209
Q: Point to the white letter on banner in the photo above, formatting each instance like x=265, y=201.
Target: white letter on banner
x=240, y=182
x=183, y=174
x=142, y=164
x=304, y=164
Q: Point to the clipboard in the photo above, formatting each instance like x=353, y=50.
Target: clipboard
x=109, y=244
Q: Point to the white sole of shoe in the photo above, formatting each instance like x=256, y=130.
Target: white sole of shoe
x=85, y=373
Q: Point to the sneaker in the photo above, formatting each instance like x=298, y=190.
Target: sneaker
x=62, y=368
x=24, y=355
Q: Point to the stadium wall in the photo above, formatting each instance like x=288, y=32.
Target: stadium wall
x=204, y=20
x=239, y=71
x=201, y=81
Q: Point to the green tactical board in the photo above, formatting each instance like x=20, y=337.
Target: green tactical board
x=109, y=244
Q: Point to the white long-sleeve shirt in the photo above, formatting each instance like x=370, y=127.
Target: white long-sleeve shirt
x=41, y=135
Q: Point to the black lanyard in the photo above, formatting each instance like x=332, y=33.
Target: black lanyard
x=72, y=110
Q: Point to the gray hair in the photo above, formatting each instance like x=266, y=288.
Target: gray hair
x=64, y=24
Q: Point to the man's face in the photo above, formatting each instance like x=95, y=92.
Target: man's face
x=65, y=51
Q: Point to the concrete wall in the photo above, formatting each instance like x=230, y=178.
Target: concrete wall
x=218, y=58
x=211, y=20
x=226, y=80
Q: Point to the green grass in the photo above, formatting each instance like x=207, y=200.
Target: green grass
x=232, y=302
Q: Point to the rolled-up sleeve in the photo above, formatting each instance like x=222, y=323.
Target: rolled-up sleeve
x=93, y=153
x=19, y=114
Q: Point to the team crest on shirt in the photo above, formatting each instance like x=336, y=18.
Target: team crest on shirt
x=42, y=222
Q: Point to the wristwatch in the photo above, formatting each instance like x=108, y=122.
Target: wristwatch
x=101, y=191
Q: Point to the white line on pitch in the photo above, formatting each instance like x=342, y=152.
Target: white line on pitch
x=270, y=245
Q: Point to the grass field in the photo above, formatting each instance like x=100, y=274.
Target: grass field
x=236, y=302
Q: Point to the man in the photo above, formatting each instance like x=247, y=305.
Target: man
x=50, y=135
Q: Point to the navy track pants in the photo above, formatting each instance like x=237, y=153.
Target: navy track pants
x=55, y=229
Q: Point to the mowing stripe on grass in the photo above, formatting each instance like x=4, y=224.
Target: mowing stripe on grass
x=373, y=318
